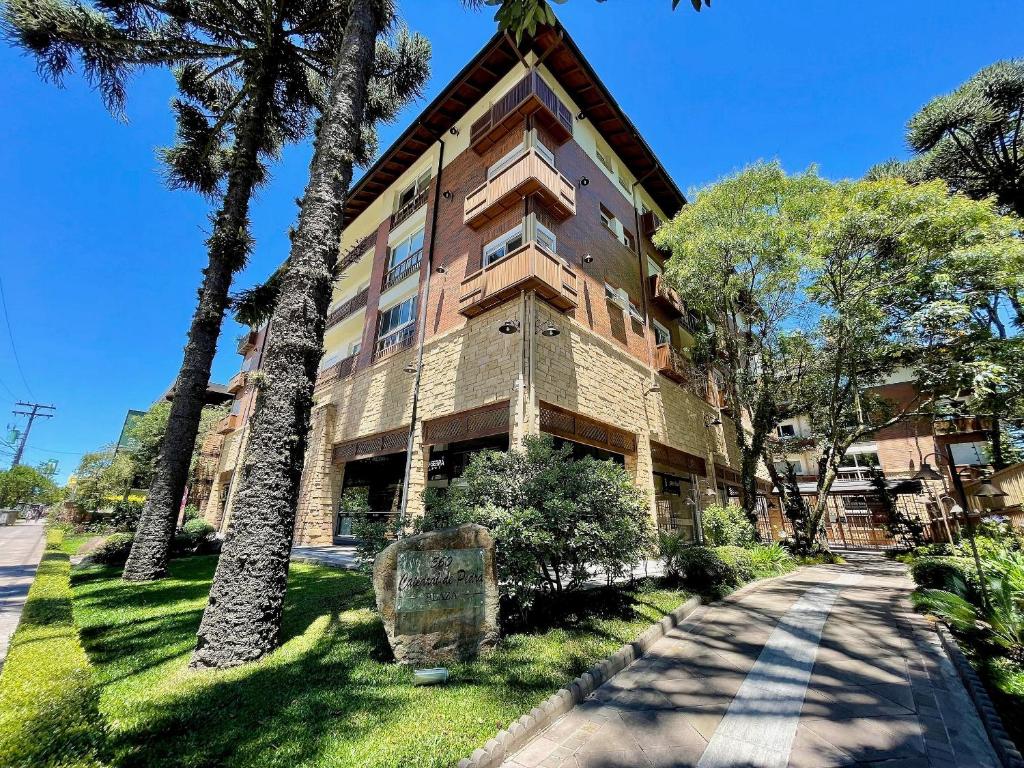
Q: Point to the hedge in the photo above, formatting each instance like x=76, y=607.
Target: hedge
x=704, y=570
x=739, y=560
x=49, y=716
x=941, y=572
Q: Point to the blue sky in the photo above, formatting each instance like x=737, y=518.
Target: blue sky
x=99, y=262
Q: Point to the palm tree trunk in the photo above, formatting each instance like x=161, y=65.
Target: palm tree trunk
x=242, y=620
x=227, y=248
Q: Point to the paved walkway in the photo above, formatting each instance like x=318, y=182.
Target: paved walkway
x=21, y=548
x=827, y=667
x=331, y=555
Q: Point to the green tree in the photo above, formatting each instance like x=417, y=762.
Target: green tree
x=252, y=77
x=243, y=617
x=555, y=520
x=102, y=477
x=26, y=485
x=739, y=253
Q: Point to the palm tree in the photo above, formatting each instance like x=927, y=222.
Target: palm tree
x=243, y=616
x=252, y=77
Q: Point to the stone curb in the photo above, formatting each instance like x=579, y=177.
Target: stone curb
x=1005, y=749
x=515, y=737
x=310, y=560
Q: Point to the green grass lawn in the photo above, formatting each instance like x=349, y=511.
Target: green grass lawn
x=73, y=542
x=329, y=696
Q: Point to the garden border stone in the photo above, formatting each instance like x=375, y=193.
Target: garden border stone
x=515, y=737
x=1005, y=749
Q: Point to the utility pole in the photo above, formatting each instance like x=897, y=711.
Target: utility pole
x=37, y=412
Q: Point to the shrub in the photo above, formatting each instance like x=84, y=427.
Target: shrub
x=125, y=516
x=554, y=519
x=938, y=549
x=191, y=513
x=192, y=537
x=739, y=560
x=704, y=570
x=49, y=714
x=114, y=550
x=727, y=526
x=670, y=549
x=948, y=573
x=770, y=560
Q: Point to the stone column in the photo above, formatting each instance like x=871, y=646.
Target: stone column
x=642, y=469
x=314, y=522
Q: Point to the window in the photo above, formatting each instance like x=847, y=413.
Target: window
x=628, y=240
x=653, y=267
x=614, y=226
x=661, y=334
x=500, y=247
x=328, y=361
x=605, y=157
x=409, y=194
x=783, y=469
x=409, y=248
x=546, y=238
x=787, y=430
x=394, y=319
x=607, y=219
x=634, y=312
x=354, y=349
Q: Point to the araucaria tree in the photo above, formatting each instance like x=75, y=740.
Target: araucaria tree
x=251, y=76
x=370, y=80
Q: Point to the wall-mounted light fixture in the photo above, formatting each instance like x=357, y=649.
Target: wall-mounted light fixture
x=453, y=131
x=447, y=194
x=580, y=115
x=509, y=327
x=442, y=270
x=712, y=421
x=654, y=388
x=584, y=182
x=588, y=259
x=410, y=368
x=550, y=330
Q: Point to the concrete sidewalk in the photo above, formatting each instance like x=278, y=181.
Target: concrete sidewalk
x=827, y=667
x=21, y=548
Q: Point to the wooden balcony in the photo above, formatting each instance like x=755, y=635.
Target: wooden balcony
x=530, y=268
x=340, y=370
x=665, y=296
x=649, y=223
x=247, y=343
x=395, y=342
x=530, y=96
x=530, y=174
x=238, y=382
x=349, y=307
x=674, y=365
x=229, y=424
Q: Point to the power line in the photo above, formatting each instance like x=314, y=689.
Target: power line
x=10, y=333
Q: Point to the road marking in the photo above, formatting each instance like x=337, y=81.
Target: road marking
x=760, y=724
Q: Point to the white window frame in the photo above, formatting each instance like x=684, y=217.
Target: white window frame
x=604, y=158
x=779, y=429
x=355, y=348
x=500, y=243
x=659, y=328
x=423, y=179
x=412, y=318
x=542, y=230
x=392, y=263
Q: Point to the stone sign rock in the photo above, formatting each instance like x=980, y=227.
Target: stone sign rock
x=437, y=593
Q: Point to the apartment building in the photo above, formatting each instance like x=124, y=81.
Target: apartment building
x=499, y=281
x=898, y=454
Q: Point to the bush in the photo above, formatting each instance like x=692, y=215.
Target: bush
x=192, y=537
x=125, y=516
x=946, y=573
x=727, y=527
x=739, y=560
x=114, y=550
x=49, y=714
x=191, y=513
x=770, y=560
x=555, y=520
x=670, y=549
x=938, y=549
x=704, y=570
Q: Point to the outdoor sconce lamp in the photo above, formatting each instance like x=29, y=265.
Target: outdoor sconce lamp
x=588, y=259
x=988, y=491
x=447, y=194
x=584, y=182
x=712, y=421
x=580, y=115
x=509, y=327
x=927, y=472
x=453, y=131
x=410, y=368
x=654, y=388
x=550, y=330
x=442, y=270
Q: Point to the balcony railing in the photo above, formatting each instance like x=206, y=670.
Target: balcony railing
x=348, y=307
x=649, y=223
x=673, y=364
x=353, y=254
x=531, y=267
x=340, y=370
x=530, y=96
x=665, y=296
x=395, y=342
x=409, y=208
x=401, y=270
x=247, y=343
x=530, y=174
